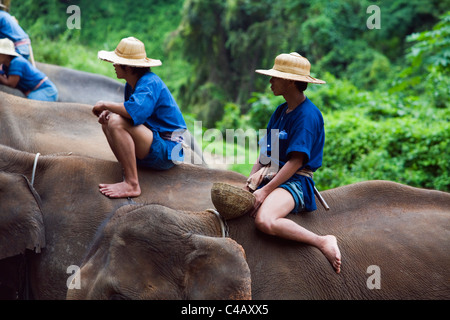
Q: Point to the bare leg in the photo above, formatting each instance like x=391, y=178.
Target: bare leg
x=126, y=142
x=270, y=218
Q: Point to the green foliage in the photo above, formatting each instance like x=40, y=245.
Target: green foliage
x=103, y=25
x=262, y=105
x=406, y=149
x=227, y=40
x=432, y=48
x=429, y=58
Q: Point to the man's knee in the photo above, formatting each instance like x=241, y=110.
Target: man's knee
x=116, y=121
x=264, y=224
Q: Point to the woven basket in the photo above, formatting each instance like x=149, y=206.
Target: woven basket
x=231, y=201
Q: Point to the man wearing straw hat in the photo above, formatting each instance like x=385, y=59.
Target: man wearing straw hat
x=21, y=74
x=145, y=129
x=299, y=127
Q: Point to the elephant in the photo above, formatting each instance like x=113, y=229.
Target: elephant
x=54, y=127
x=394, y=240
x=72, y=209
x=197, y=263
x=82, y=87
x=78, y=86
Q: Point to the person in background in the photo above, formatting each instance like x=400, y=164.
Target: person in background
x=10, y=29
x=21, y=74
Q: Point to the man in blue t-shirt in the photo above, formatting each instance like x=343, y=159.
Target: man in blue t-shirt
x=294, y=146
x=146, y=128
x=21, y=74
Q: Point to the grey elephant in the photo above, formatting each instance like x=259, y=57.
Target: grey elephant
x=390, y=235
x=167, y=255
x=394, y=241
x=77, y=86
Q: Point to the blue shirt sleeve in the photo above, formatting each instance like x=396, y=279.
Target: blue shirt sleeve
x=29, y=75
x=16, y=68
x=142, y=102
x=152, y=105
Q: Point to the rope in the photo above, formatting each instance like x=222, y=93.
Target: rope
x=223, y=227
x=33, y=174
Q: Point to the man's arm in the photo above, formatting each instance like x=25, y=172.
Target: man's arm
x=256, y=167
x=114, y=107
x=10, y=81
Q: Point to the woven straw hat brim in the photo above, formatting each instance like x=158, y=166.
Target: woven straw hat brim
x=7, y=47
x=289, y=76
x=112, y=57
x=231, y=201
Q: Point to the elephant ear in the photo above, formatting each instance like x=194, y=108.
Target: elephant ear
x=21, y=220
x=217, y=269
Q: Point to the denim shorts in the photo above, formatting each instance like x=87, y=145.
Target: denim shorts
x=295, y=189
x=47, y=93
x=159, y=157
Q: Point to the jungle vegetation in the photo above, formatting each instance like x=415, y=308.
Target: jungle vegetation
x=385, y=104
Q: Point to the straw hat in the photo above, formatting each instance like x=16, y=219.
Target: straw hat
x=7, y=47
x=130, y=52
x=231, y=201
x=291, y=66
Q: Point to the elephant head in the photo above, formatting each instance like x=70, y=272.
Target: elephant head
x=153, y=252
x=21, y=228
x=21, y=224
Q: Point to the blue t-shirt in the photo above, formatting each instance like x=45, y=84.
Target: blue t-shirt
x=10, y=29
x=29, y=75
x=152, y=104
x=300, y=130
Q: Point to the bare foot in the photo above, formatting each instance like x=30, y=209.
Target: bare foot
x=120, y=190
x=331, y=251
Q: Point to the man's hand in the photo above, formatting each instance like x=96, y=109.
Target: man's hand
x=99, y=108
x=10, y=81
x=104, y=117
x=111, y=107
x=260, y=196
